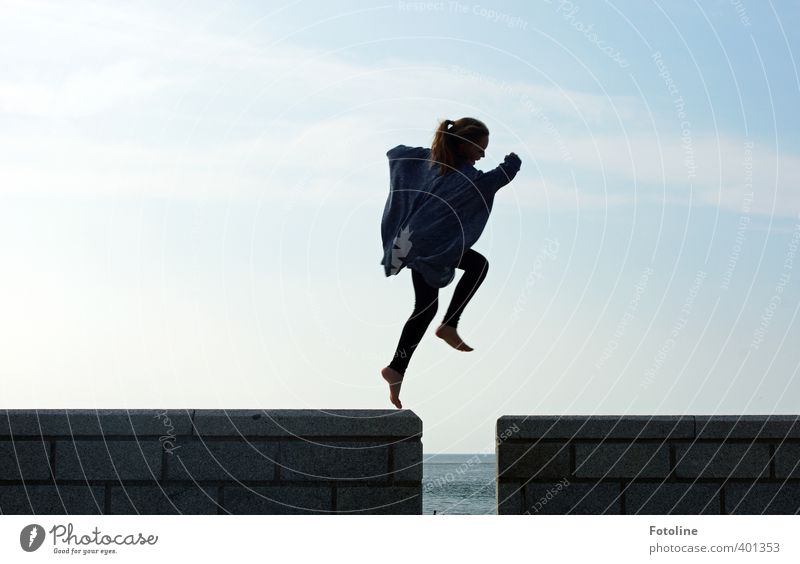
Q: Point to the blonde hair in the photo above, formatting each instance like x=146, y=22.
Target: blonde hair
x=444, y=150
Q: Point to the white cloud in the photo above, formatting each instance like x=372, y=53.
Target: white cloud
x=83, y=92
x=717, y=175
x=234, y=116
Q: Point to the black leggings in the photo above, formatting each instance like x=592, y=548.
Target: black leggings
x=426, y=303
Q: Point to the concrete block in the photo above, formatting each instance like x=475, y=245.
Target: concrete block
x=722, y=460
x=278, y=500
x=621, y=460
x=222, y=460
x=163, y=500
x=109, y=460
x=537, y=461
x=99, y=422
x=283, y=451
x=669, y=498
x=762, y=499
x=407, y=461
x=748, y=426
x=509, y=498
x=53, y=500
x=29, y=460
x=787, y=460
x=392, y=500
x=305, y=423
x=545, y=498
x=516, y=427
x=334, y=460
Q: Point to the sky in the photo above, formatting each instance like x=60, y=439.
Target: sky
x=191, y=196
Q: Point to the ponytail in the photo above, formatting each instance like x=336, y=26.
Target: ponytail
x=444, y=148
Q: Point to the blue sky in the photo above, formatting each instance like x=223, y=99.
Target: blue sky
x=191, y=194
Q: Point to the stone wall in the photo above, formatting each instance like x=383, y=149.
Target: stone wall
x=648, y=465
x=79, y=461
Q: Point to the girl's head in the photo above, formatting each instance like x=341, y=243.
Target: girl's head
x=458, y=142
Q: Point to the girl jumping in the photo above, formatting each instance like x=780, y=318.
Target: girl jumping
x=437, y=208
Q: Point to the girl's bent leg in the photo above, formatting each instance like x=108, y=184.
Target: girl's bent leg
x=426, y=303
x=475, y=267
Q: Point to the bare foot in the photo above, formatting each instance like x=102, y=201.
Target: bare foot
x=450, y=335
x=395, y=380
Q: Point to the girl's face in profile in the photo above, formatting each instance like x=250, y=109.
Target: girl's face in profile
x=473, y=152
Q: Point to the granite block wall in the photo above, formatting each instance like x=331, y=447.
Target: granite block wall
x=648, y=465
x=85, y=461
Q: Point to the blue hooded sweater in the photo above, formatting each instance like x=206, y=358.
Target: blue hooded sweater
x=430, y=221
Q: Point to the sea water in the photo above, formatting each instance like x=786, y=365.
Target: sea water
x=458, y=484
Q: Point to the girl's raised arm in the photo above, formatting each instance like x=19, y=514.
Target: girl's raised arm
x=490, y=182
